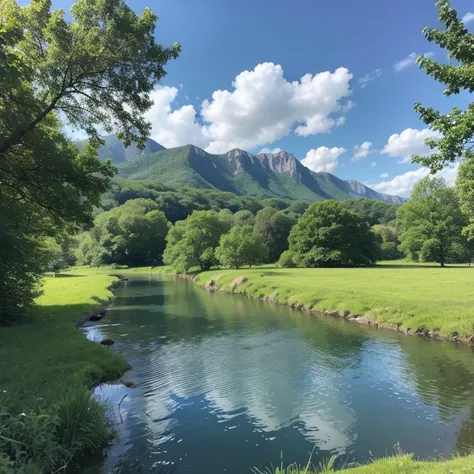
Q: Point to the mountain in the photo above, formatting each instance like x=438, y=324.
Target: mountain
x=114, y=149
x=240, y=172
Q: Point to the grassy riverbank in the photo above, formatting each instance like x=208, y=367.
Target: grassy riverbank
x=412, y=297
x=392, y=465
x=46, y=368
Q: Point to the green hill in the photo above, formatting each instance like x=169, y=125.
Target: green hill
x=263, y=176
x=114, y=150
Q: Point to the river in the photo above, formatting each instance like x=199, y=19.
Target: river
x=226, y=383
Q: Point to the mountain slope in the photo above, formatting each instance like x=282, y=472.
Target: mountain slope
x=240, y=172
x=114, y=149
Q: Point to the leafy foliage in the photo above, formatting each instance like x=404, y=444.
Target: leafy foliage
x=273, y=227
x=192, y=242
x=456, y=128
x=240, y=246
x=329, y=234
x=133, y=234
x=96, y=70
x=387, y=237
x=432, y=223
x=374, y=212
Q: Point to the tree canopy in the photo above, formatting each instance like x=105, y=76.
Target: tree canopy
x=241, y=246
x=273, y=227
x=95, y=72
x=329, y=234
x=456, y=128
x=432, y=223
x=192, y=242
x=133, y=234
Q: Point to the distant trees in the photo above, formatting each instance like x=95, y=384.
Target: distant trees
x=192, y=242
x=133, y=234
x=241, y=246
x=387, y=238
x=329, y=234
x=432, y=223
x=273, y=227
x=374, y=212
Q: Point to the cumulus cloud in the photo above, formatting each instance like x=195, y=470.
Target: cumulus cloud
x=369, y=77
x=409, y=142
x=384, y=175
x=267, y=150
x=261, y=107
x=176, y=127
x=403, y=184
x=361, y=151
x=468, y=18
x=410, y=60
x=323, y=158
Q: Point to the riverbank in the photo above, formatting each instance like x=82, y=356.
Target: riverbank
x=428, y=301
x=47, y=367
x=395, y=465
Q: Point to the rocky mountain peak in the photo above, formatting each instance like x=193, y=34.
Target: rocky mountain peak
x=281, y=162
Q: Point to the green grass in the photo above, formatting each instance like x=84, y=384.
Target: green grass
x=391, y=465
x=407, y=296
x=46, y=369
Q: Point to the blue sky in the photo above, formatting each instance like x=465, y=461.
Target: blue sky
x=278, y=42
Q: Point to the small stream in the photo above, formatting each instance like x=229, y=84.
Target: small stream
x=226, y=383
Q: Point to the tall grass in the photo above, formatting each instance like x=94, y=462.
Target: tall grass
x=49, y=441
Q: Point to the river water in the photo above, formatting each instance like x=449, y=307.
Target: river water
x=226, y=384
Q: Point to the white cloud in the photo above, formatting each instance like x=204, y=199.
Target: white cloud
x=409, y=142
x=264, y=105
x=410, y=60
x=384, y=175
x=361, y=151
x=323, y=158
x=373, y=163
x=402, y=184
x=261, y=108
x=170, y=127
x=369, y=77
x=468, y=18
x=267, y=150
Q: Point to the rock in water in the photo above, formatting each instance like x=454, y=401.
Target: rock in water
x=107, y=342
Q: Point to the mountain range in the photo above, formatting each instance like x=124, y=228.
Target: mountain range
x=263, y=175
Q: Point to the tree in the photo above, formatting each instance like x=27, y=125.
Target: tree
x=244, y=217
x=240, y=246
x=133, y=234
x=95, y=72
x=456, y=128
x=387, y=238
x=374, y=212
x=329, y=234
x=432, y=222
x=192, y=242
x=273, y=227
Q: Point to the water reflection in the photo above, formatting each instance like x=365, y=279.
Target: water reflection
x=229, y=383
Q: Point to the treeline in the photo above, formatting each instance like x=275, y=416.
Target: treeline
x=131, y=226
x=217, y=229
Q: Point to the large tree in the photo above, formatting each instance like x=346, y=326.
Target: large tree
x=456, y=128
x=95, y=72
x=133, y=234
x=329, y=234
x=432, y=222
x=241, y=246
x=273, y=227
x=192, y=242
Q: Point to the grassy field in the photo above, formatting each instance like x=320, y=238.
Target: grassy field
x=46, y=368
x=413, y=297
x=392, y=465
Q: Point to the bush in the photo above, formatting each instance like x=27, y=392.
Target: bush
x=286, y=260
